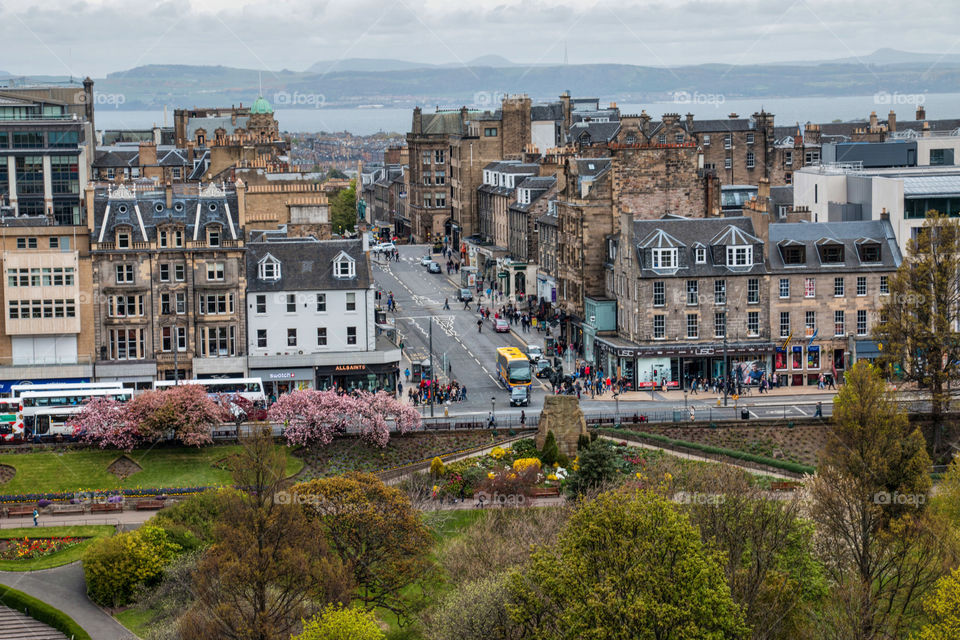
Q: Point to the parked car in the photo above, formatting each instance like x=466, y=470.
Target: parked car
x=384, y=247
x=434, y=267
x=425, y=261
x=542, y=368
x=520, y=397
x=534, y=352
x=500, y=325
x=465, y=295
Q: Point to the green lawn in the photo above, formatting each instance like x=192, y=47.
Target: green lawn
x=46, y=472
x=136, y=620
x=60, y=558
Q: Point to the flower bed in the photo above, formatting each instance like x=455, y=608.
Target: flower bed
x=31, y=548
x=74, y=497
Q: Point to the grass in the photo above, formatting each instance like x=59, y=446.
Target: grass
x=52, y=471
x=41, y=611
x=136, y=620
x=60, y=558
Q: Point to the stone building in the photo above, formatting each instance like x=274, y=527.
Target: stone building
x=47, y=320
x=688, y=292
x=428, y=197
x=494, y=196
x=302, y=206
x=161, y=163
x=533, y=196
x=547, y=250
x=169, y=281
x=828, y=283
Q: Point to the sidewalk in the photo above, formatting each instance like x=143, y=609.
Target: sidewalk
x=126, y=520
x=677, y=394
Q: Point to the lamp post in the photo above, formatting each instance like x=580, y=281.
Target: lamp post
x=493, y=418
x=616, y=397
x=726, y=369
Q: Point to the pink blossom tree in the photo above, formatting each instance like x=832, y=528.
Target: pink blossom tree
x=103, y=422
x=313, y=417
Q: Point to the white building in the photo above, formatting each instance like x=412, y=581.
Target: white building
x=311, y=316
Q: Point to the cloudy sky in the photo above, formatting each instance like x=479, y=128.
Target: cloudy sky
x=94, y=37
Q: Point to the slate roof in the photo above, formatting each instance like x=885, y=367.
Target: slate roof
x=595, y=131
x=306, y=264
x=687, y=234
x=849, y=234
x=550, y=111
x=447, y=122
x=210, y=124
x=723, y=125
x=592, y=166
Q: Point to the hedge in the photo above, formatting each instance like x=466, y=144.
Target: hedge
x=786, y=465
x=42, y=612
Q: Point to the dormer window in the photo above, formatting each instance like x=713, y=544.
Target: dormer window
x=701, y=255
x=796, y=254
x=831, y=253
x=124, y=235
x=344, y=266
x=869, y=252
x=268, y=268
x=740, y=256
x=213, y=235
x=664, y=258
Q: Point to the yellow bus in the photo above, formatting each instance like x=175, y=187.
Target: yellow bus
x=513, y=367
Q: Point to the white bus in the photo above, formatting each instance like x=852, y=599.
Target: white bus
x=10, y=424
x=53, y=422
x=249, y=388
x=33, y=402
x=17, y=389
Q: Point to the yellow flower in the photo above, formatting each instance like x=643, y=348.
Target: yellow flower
x=522, y=464
x=491, y=475
x=551, y=477
x=497, y=453
x=668, y=476
x=436, y=488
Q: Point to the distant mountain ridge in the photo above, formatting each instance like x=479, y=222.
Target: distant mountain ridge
x=388, y=64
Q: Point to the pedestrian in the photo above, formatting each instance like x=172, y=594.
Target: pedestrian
x=406, y=372
x=523, y=417
x=819, y=412
x=400, y=389
x=479, y=326
x=446, y=304
x=36, y=516
x=693, y=414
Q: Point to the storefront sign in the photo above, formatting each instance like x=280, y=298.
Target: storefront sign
x=283, y=376
x=349, y=367
x=705, y=351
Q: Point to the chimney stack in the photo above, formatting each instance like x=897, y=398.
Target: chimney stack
x=873, y=121
x=921, y=113
x=891, y=121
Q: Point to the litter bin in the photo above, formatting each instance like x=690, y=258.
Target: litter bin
x=677, y=415
x=744, y=414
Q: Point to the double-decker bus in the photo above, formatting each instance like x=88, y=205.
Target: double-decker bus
x=249, y=388
x=56, y=405
x=513, y=367
x=10, y=424
x=17, y=389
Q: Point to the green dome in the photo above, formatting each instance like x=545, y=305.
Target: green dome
x=260, y=105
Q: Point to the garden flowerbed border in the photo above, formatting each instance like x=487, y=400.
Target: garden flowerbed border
x=761, y=463
x=394, y=473
x=42, y=612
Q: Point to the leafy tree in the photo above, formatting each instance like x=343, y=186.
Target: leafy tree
x=115, y=567
x=628, y=566
x=872, y=440
x=943, y=606
x=343, y=209
x=946, y=502
x=476, y=610
x=312, y=417
x=550, y=450
x=597, y=466
x=923, y=312
x=436, y=467
x=340, y=623
x=376, y=532
x=269, y=566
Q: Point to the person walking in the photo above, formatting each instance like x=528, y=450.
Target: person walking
x=819, y=412
x=479, y=326
x=36, y=517
x=523, y=417
x=446, y=304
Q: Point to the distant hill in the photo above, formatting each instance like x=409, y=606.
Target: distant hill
x=389, y=64
x=886, y=56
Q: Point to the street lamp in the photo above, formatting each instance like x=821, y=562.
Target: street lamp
x=493, y=402
x=726, y=369
x=616, y=397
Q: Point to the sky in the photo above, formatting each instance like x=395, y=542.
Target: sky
x=95, y=37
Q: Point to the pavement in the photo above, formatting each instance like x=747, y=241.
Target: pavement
x=125, y=520
x=65, y=588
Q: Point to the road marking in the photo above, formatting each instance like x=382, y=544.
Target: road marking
x=753, y=414
x=801, y=411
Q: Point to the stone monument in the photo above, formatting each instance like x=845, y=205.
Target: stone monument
x=562, y=415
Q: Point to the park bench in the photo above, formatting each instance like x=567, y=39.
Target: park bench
x=545, y=492
x=102, y=507
x=66, y=509
x=20, y=511
x=144, y=505
x=784, y=486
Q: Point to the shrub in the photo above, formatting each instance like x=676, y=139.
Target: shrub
x=197, y=514
x=583, y=442
x=525, y=448
x=436, y=467
x=550, y=450
x=596, y=466
x=114, y=567
x=339, y=623
x=563, y=460
x=522, y=464
x=475, y=611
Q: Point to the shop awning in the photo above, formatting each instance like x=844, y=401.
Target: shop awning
x=867, y=349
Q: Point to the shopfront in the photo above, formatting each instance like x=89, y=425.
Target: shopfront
x=277, y=382
x=803, y=364
x=365, y=377
x=5, y=385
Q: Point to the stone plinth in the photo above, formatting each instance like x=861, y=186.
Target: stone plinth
x=562, y=415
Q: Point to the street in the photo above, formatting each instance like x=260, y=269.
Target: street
x=462, y=353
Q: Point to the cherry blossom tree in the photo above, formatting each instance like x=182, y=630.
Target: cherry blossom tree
x=313, y=417
x=103, y=421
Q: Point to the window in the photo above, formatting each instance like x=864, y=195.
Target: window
x=291, y=337
x=218, y=341
x=678, y=138
x=216, y=304
x=662, y=138
x=811, y=157
x=351, y=335
x=753, y=323
x=321, y=303
x=162, y=239
x=123, y=239
x=809, y=287
x=658, y=327
x=490, y=132
x=727, y=141
x=427, y=178
x=166, y=339
x=784, y=287
x=439, y=156
x=749, y=138
x=126, y=344
x=838, y=287
x=440, y=177
x=164, y=272
x=728, y=163
x=861, y=285
x=693, y=297
x=701, y=255
x=165, y=308
x=664, y=258
x=440, y=200
x=351, y=301
x=794, y=255
x=784, y=324
x=291, y=303
x=261, y=302
x=861, y=322
x=321, y=336
x=940, y=157
x=176, y=170
x=884, y=285
x=213, y=236
x=54, y=242
x=869, y=252
x=26, y=243
x=124, y=306
x=706, y=140
x=720, y=292
x=838, y=323
x=719, y=324
x=810, y=322
x=788, y=158
x=739, y=256
x=269, y=269
x=751, y=160
x=181, y=299
x=124, y=273
x=693, y=325
x=214, y=271
x=831, y=253
x=659, y=295
x=753, y=291
x=261, y=338
x=178, y=272
x=344, y=268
